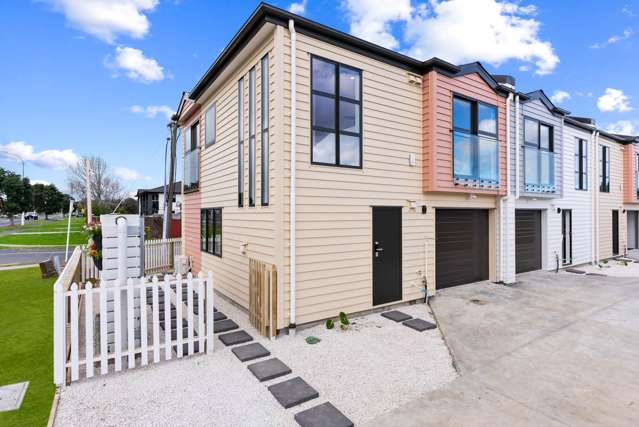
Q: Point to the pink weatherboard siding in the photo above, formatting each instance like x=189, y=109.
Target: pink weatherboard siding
x=629, y=181
x=437, y=107
x=191, y=218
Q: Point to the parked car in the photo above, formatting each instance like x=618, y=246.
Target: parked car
x=31, y=215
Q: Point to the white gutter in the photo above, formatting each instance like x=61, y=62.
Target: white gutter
x=517, y=148
x=291, y=28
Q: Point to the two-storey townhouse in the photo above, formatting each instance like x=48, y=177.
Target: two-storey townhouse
x=464, y=173
x=610, y=222
x=631, y=191
x=580, y=179
x=536, y=182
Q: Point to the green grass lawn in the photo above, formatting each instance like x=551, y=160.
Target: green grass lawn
x=59, y=227
x=26, y=343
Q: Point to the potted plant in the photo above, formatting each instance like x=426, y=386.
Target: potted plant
x=93, y=232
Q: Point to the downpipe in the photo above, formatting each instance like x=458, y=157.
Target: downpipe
x=291, y=326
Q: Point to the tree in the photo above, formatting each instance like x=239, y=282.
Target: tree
x=47, y=199
x=16, y=194
x=128, y=206
x=104, y=186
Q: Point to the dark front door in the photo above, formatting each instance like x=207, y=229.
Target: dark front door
x=387, y=254
x=527, y=240
x=615, y=232
x=461, y=246
x=566, y=235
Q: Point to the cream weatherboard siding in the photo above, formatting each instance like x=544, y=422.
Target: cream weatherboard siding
x=251, y=227
x=612, y=200
x=334, y=214
x=579, y=201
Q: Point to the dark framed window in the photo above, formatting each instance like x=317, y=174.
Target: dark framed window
x=475, y=143
x=155, y=203
x=209, y=125
x=604, y=169
x=191, y=157
x=336, y=114
x=251, y=137
x=264, y=105
x=581, y=164
x=211, y=231
x=637, y=175
x=538, y=134
x=240, y=142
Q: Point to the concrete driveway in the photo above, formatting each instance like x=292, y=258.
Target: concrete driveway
x=554, y=349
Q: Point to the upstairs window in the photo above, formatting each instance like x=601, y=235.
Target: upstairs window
x=581, y=164
x=192, y=158
x=240, y=142
x=336, y=114
x=604, y=169
x=475, y=143
x=251, y=126
x=209, y=126
x=264, y=105
x=539, y=159
x=637, y=175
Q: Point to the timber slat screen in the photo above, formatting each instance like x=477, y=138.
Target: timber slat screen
x=263, y=297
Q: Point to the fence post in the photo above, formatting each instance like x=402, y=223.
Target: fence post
x=59, y=335
x=209, y=314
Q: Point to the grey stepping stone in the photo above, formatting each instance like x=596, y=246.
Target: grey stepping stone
x=224, y=326
x=293, y=392
x=575, y=271
x=237, y=337
x=218, y=315
x=269, y=369
x=324, y=415
x=11, y=396
x=395, y=315
x=419, y=325
x=250, y=352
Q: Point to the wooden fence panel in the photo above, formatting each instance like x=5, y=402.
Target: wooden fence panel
x=263, y=297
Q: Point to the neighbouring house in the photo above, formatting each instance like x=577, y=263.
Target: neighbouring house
x=631, y=192
x=151, y=200
x=368, y=178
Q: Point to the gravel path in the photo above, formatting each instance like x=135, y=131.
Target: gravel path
x=374, y=366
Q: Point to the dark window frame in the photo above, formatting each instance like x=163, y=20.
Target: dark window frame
x=191, y=144
x=240, y=142
x=252, y=130
x=540, y=123
x=210, y=122
x=604, y=169
x=264, y=128
x=473, y=131
x=637, y=175
x=208, y=218
x=581, y=169
x=337, y=98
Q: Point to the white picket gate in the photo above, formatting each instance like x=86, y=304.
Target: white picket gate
x=160, y=255
x=83, y=321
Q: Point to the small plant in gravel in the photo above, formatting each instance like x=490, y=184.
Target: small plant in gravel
x=312, y=340
x=343, y=320
x=330, y=324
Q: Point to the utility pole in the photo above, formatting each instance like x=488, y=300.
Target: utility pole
x=87, y=173
x=173, y=127
x=165, y=204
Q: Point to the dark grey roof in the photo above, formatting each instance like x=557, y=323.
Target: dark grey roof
x=541, y=96
x=177, y=189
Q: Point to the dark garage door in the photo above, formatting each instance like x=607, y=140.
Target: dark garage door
x=527, y=240
x=461, y=246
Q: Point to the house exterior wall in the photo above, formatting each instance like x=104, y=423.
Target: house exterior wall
x=630, y=153
x=438, y=91
x=610, y=201
x=334, y=214
x=579, y=201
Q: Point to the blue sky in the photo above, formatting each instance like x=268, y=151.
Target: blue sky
x=82, y=77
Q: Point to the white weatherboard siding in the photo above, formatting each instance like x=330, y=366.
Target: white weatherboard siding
x=579, y=201
x=334, y=215
x=612, y=200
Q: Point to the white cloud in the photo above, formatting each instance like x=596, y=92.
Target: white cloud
x=627, y=33
x=559, y=96
x=152, y=111
x=372, y=19
x=614, y=100
x=479, y=30
x=106, y=19
x=136, y=66
x=55, y=159
x=623, y=127
x=299, y=8
x=39, y=181
x=129, y=174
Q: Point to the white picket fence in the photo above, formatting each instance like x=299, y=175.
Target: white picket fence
x=160, y=255
x=82, y=324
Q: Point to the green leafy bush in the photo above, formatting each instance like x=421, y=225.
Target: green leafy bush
x=330, y=324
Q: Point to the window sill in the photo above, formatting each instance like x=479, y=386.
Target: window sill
x=542, y=189
x=482, y=184
x=192, y=189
